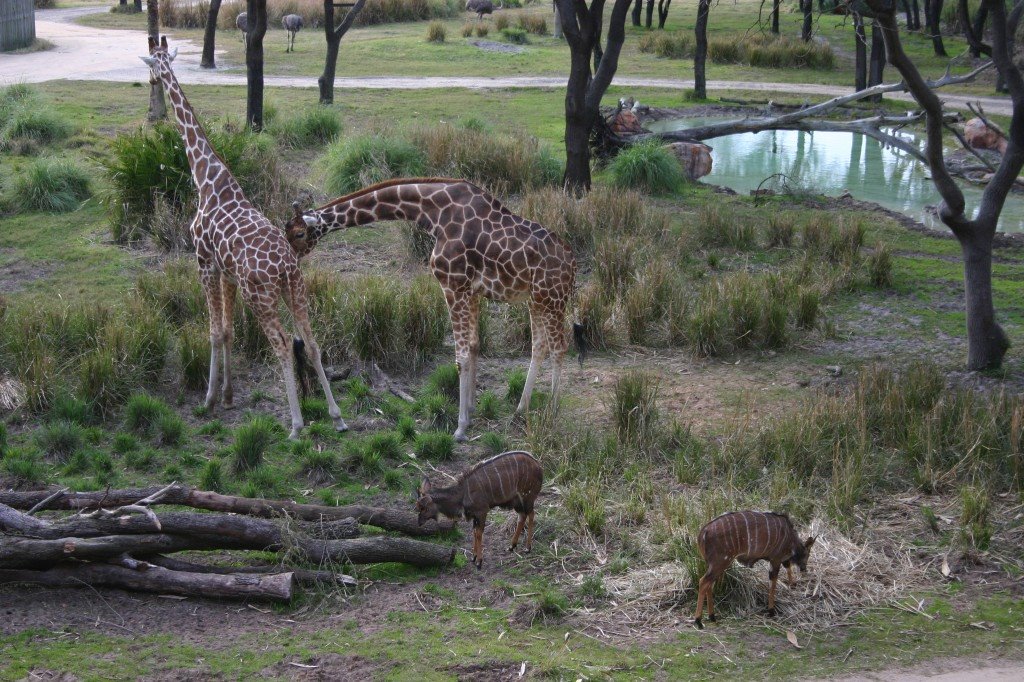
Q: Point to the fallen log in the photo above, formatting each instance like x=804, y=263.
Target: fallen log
x=24, y=552
x=388, y=519
x=254, y=533
x=302, y=576
x=271, y=587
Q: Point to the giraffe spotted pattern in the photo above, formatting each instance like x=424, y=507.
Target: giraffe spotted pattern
x=238, y=248
x=481, y=249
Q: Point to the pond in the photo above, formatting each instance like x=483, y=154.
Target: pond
x=831, y=162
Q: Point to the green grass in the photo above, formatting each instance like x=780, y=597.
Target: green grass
x=51, y=185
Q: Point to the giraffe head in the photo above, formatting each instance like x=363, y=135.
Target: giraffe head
x=160, y=57
x=302, y=230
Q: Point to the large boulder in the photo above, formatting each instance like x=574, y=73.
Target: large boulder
x=980, y=136
x=625, y=122
x=694, y=158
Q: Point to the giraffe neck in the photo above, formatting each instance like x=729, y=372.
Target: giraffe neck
x=202, y=159
x=421, y=203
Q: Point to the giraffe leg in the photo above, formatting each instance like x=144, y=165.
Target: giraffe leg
x=211, y=285
x=536, y=359
x=558, y=343
x=282, y=345
x=306, y=332
x=227, y=288
x=461, y=307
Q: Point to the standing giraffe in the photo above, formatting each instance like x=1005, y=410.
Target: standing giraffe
x=480, y=249
x=238, y=247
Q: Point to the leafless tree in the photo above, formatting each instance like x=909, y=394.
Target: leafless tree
x=257, y=25
x=334, y=35
x=210, y=36
x=157, y=105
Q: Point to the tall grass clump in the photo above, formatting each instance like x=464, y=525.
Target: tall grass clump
x=514, y=35
x=676, y=45
x=194, y=356
x=647, y=166
x=634, y=408
x=533, y=24
x=49, y=184
x=501, y=22
x=445, y=381
x=719, y=226
x=436, y=446
x=25, y=123
x=61, y=439
x=315, y=126
x=880, y=266
x=252, y=440
x=436, y=32
x=367, y=159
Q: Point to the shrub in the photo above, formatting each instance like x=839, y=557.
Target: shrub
x=143, y=411
x=26, y=123
x=252, y=440
x=435, y=445
x=482, y=30
x=52, y=185
x=169, y=429
x=724, y=51
x=318, y=125
x=634, y=407
x=445, y=381
x=367, y=159
x=647, y=166
x=514, y=35
x=61, y=439
x=124, y=443
x=212, y=476
x=435, y=32
x=439, y=412
x=501, y=22
x=532, y=23
x=467, y=30
x=194, y=356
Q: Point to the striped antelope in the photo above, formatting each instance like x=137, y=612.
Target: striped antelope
x=511, y=480
x=293, y=24
x=748, y=537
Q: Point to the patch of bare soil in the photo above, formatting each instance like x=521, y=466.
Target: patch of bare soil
x=948, y=670
x=16, y=271
x=327, y=667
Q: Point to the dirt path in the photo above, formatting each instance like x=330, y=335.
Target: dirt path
x=85, y=53
x=946, y=671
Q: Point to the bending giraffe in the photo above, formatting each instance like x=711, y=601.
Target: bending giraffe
x=238, y=247
x=481, y=249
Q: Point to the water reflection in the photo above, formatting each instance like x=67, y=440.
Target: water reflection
x=830, y=162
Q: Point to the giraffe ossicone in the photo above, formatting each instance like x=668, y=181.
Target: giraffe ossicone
x=237, y=247
x=481, y=249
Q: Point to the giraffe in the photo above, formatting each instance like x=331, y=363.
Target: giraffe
x=237, y=247
x=481, y=249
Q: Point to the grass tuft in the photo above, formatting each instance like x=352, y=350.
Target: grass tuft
x=435, y=446
x=647, y=166
x=252, y=440
x=49, y=184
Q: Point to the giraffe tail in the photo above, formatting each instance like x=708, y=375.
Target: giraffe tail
x=579, y=335
x=299, y=351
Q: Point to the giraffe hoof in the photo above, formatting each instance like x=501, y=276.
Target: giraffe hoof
x=340, y=426
x=461, y=437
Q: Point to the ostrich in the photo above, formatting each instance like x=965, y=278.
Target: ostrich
x=293, y=24
x=481, y=7
x=242, y=23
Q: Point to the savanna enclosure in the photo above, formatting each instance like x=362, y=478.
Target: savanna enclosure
x=788, y=351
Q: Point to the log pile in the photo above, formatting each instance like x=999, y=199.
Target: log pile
x=115, y=539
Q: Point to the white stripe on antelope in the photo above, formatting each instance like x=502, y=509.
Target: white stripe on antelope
x=475, y=493
x=720, y=542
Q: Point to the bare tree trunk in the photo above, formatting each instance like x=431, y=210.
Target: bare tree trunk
x=663, y=6
x=157, y=106
x=806, y=31
x=208, y=60
x=987, y=342
x=138, y=5
x=638, y=8
x=700, y=52
x=917, y=14
x=775, y=16
x=582, y=27
x=877, y=62
x=558, y=22
x=257, y=20
x=650, y=13
x=334, y=34
x=860, y=69
x=933, y=20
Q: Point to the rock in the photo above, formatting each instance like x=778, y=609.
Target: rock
x=625, y=122
x=694, y=158
x=980, y=136
x=834, y=370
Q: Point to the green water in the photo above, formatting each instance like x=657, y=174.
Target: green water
x=831, y=162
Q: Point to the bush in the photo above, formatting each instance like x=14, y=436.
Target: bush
x=27, y=123
x=514, y=35
x=318, y=125
x=367, y=159
x=534, y=24
x=436, y=32
x=435, y=445
x=52, y=185
x=151, y=162
x=501, y=22
x=143, y=411
x=252, y=440
x=61, y=439
x=445, y=381
x=647, y=166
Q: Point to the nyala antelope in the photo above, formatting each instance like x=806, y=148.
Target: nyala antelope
x=748, y=537
x=511, y=480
